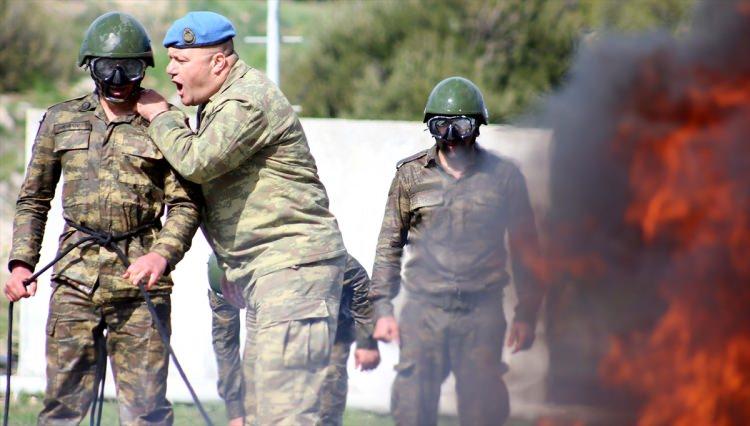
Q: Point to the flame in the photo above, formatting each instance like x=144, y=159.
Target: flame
x=690, y=201
x=661, y=161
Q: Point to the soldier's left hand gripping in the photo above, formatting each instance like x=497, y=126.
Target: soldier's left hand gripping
x=15, y=289
x=150, y=265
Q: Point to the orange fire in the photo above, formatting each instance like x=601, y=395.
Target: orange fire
x=650, y=221
x=690, y=198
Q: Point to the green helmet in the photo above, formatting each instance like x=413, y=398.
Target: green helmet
x=116, y=35
x=214, y=274
x=456, y=96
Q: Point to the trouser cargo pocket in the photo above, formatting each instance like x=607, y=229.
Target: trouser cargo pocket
x=295, y=334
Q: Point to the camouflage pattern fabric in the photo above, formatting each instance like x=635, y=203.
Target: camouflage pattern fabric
x=266, y=208
x=137, y=355
x=455, y=231
x=335, y=386
x=468, y=342
x=249, y=359
x=355, y=319
x=225, y=336
x=332, y=394
x=355, y=323
x=115, y=180
x=267, y=220
x=291, y=326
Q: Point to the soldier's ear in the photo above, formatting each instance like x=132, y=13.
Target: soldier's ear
x=218, y=62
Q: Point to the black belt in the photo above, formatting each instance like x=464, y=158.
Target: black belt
x=457, y=300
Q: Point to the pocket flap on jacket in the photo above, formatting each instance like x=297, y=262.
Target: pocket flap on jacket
x=140, y=146
x=72, y=136
x=426, y=199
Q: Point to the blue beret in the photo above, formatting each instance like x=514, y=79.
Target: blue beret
x=198, y=29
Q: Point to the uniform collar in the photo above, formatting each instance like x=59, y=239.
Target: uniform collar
x=93, y=103
x=431, y=159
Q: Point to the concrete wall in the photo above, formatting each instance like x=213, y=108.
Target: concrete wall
x=356, y=161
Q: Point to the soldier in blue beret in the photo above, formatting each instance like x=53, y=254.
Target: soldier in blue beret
x=266, y=213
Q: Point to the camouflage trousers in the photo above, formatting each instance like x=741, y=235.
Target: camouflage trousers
x=436, y=341
x=138, y=357
x=225, y=333
x=225, y=336
x=335, y=386
x=291, y=322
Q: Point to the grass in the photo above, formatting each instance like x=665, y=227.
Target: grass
x=25, y=408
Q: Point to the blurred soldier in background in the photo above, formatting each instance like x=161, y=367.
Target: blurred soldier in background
x=451, y=206
x=266, y=215
x=355, y=324
x=116, y=185
x=225, y=337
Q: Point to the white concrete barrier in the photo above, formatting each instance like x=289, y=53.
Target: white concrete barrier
x=356, y=160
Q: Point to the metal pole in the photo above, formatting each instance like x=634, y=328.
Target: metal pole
x=273, y=42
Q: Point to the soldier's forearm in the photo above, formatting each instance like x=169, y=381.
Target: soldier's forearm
x=382, y=308
x=28, y=228
x=202, y=157
x=386, y=280
x=176, y=237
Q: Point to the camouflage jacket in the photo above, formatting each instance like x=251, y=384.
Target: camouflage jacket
x=454, y=232
x=266, y=208
x=356, y=315
x=114, y=180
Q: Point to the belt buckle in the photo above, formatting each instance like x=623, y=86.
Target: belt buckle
x=456, y=301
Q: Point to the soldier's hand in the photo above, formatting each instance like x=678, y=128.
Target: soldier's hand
x=15, y=290
x=366, y=359
x=232, y=293
x=386, y=329
x=521, y=336
x=150, y=104
x=150, y=266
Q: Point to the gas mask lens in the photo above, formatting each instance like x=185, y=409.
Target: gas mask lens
x=118, y=71
x=443, y=127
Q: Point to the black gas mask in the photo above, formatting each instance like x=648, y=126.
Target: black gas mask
x=118, y=79
x=452, y=130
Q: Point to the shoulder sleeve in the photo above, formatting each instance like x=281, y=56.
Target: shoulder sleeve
x=386, y=273
x=231, y=133
x=35, y=197
x=523, y=241
x=411, y=158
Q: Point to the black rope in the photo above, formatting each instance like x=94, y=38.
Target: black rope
x=8, y=363
x=107, y=241
x=101, y=373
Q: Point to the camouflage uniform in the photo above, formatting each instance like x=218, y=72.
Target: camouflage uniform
x=225, y=337
x=454, y=274
x=354, y=323
x=268, y=221
x=115, y=180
